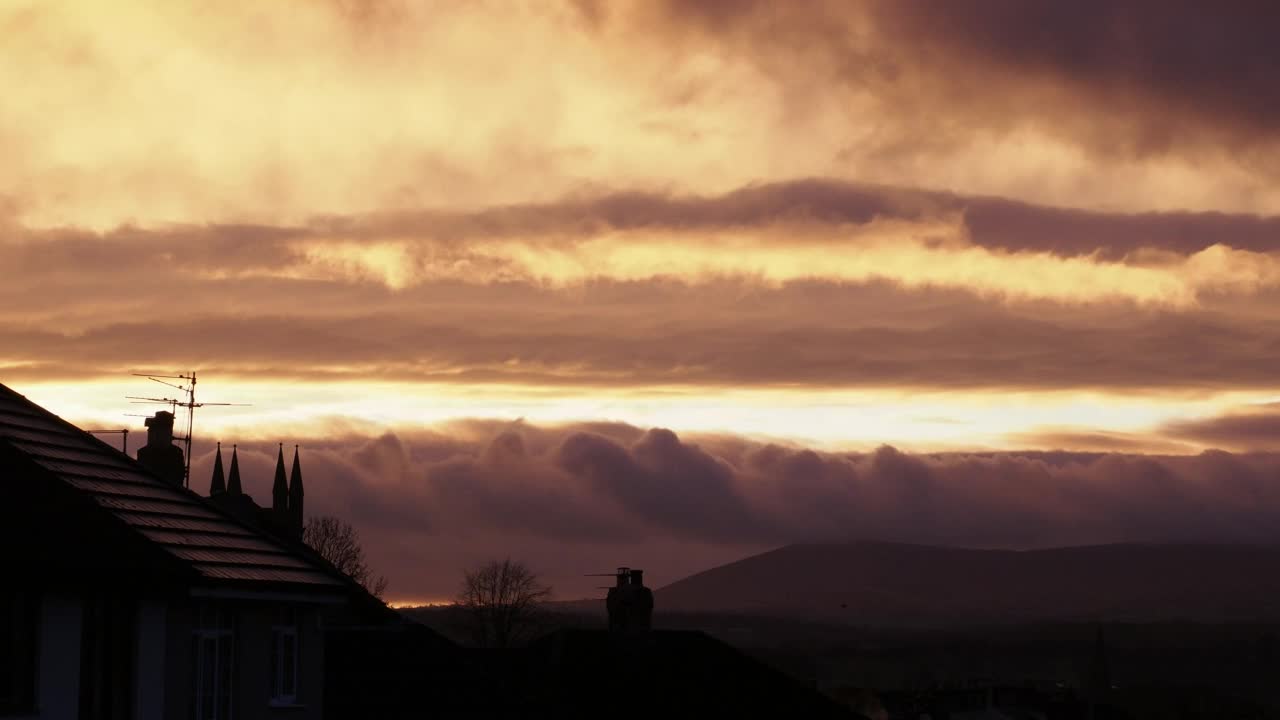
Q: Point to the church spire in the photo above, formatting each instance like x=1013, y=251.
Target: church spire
x=296, y=493
x=233, y=482
x=218, y=485
x=280, y=488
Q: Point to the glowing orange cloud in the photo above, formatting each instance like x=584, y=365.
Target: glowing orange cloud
x=913, y=255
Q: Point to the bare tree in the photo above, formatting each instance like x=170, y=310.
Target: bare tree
x=502, y=600
x=338, y=542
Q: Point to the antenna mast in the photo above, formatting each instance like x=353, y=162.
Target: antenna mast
x=124, y=437
x=186, y=385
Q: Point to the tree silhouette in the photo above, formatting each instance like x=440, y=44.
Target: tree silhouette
x=502, y=599
x=338, y=542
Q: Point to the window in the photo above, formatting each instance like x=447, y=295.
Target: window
x=284, y=659
x=212, y=652
x=108, y=634
x=19, y=620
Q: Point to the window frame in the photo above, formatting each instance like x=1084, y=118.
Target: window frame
x=213, y=627
x=286, y=635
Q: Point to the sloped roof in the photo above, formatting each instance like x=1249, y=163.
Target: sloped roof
x=578, y=672
x=219, y=548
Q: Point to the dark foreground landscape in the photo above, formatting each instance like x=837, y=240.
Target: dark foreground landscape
x=899, y=631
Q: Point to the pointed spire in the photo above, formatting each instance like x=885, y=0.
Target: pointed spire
x=296, y=494
x=295, y=486
x=233, y=481
x=280, y=488
x=218, y=485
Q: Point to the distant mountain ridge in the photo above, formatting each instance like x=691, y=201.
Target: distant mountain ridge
x=872, y=583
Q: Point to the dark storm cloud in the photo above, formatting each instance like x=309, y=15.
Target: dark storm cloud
x=724, y=335
x=1127, y=77
x=670, y=484
x=991, y=222
x=876, y=337
x=502, y=485
x=153, y=257
x=1183, y=67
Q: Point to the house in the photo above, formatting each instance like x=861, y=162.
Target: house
x=631, y=670
x=127, y=595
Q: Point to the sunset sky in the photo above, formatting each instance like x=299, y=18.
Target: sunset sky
x=663, y=283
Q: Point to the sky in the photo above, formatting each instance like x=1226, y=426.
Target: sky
x=663, y=283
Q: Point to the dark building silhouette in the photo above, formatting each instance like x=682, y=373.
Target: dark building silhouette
x=280, y=488
x=235, y=500
x=626, y=671
x=631, y=670
x=284, y=518
x=218, y=484
x=296, y=495
x=160, y=455
x=129, y=596
x=234, y=486
x=673, y=674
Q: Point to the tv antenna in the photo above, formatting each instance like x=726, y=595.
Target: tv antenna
x=621, y=573
x=186, y=387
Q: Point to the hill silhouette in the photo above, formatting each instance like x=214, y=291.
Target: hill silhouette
x=870, y=583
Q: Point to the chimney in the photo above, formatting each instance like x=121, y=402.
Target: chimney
x=630, y=603
x=160, y=455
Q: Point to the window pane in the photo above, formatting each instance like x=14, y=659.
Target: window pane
x=224, y=677
x=275, y=664
x=213, y=660
x=208, y=677
x=290, y=665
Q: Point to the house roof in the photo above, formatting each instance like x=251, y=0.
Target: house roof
x=664, y=673
x=218, y=548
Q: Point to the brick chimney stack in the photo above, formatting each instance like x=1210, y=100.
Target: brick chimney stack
x=160, y=455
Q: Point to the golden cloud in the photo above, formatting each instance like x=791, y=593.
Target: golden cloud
x=911, y=255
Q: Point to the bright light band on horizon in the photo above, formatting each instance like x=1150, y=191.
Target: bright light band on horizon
x=833, y=420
